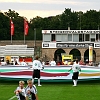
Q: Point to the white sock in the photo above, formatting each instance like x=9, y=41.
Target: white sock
x=39, y=81
x=33, y=80
x=74, y=82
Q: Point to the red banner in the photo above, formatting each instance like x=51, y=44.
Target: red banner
x=26, y=27
x=12, y=27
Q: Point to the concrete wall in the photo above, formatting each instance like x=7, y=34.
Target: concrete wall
x=49, y=53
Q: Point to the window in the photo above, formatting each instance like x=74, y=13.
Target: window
x=92, y=40
x=75, y=38
x=64, y=38
x=58, y=37
x=53, y=37
x=87, y=37
x=81, y=37
x=46, y=37
x=92, y=37
x=69, y=37
x=97, y=37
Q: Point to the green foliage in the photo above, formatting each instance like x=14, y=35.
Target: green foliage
x=90, y=20
x=12, y=14
x=4, y=27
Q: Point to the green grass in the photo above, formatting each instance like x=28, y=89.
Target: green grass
x=57, y=91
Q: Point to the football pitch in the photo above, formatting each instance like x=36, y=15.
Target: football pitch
x=57, y=91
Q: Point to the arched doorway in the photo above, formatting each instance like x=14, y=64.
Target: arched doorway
x=86, y=55
x=76, y=54
x=57, y=54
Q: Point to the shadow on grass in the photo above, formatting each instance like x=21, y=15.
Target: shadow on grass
x=14, y=82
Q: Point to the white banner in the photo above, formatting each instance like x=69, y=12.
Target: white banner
x=48, y=45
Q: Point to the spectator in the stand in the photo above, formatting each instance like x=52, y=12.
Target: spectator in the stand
x=12, y=63
x=71, y=63
x=90, y=63
x=43, y=63
x=16, y=63
x=62, y=63
x=99, y=64
x=2, y=59
x=87, y=61
x=23, y=63
x=81, y=62
x=47, y=63
x=58, y=63
x=53, y=63
x=7, y=62
x=66, y=62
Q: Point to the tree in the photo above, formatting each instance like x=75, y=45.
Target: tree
x=90, y=20
x=4, y=27
x=12, y=13
x=18, y=24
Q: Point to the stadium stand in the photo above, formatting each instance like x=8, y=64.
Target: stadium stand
x=16, y=50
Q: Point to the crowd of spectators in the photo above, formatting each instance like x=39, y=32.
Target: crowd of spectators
x=48, y=63
x=13, y=62
x=58, y=63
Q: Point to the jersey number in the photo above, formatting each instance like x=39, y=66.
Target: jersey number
x=35, y=64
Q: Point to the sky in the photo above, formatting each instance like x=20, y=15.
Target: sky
x=46, y=8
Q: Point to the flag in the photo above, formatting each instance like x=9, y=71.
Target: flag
x=12, y=27
x=26, y=27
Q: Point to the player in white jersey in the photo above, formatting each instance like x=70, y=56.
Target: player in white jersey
x=53, y=63
x=37, y=66
x=31, y=91
x=20, y=91
x=76, y=68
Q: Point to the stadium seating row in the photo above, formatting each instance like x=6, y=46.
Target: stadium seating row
x=16, y=50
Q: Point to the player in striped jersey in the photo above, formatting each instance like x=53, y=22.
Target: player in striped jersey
x=31, y=91
x=20, y=91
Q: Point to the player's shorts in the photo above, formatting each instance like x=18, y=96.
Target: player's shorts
x=75, y=75
x=21, y=97
x=36, y=73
